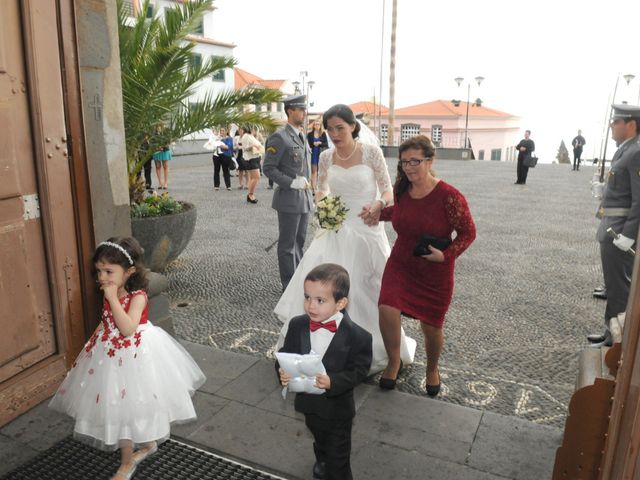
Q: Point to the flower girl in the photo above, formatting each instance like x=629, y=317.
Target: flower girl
x=131, y=380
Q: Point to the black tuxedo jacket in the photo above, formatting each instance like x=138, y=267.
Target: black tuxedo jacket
x=347, y=361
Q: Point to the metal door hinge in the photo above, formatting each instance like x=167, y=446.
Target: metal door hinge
x=31, y=206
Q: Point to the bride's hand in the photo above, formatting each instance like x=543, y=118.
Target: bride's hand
x=370, y=214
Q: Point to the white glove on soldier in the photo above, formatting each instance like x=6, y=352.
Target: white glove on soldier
x=623, y=243
x=299, y=183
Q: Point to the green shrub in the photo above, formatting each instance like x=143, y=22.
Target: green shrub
x=156, y=206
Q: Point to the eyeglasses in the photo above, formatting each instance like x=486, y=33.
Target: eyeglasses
x=414, y=162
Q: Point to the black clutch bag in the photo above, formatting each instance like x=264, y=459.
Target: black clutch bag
x=422, y=247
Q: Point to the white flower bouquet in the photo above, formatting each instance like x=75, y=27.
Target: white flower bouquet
x=331, y=212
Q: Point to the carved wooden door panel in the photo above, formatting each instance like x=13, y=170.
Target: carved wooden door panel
x=27, y=334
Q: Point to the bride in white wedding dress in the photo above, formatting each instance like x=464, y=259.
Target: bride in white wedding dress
x=357, y=172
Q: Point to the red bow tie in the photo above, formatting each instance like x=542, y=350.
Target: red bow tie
x=330, y=325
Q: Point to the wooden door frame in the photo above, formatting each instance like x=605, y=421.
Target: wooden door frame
x=620, y=458
x=56, y=124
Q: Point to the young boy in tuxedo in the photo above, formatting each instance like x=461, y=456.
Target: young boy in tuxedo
x=346, y=355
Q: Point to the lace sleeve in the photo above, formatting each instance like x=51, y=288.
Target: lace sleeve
x=323, y=169
x=459, y=217
x=375, y=159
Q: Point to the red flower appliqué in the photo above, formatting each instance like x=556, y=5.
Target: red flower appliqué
x=111, y=352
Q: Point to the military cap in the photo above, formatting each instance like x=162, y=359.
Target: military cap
x=295, y=101
x=623, y=111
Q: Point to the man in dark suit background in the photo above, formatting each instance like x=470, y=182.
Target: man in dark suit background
x=525, y=148
x=578, y=142
x=345, y=349
x=287, y=162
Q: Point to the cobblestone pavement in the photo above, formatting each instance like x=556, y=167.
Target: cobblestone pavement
x=522, y=303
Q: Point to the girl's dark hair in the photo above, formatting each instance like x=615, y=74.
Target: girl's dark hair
x=419, y=142
x=333, y=274
x=343, y=112
x=109, y=254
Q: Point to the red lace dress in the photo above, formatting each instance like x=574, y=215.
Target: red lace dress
x=419, y=288
x=130, y=388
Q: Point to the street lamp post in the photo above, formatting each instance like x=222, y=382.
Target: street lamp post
x=307, y=85
x=459, y=81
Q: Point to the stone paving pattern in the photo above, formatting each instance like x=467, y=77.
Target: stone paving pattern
x=522, y=303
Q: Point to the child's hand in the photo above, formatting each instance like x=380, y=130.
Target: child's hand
x=323, y=381
x=110, y=291
x=284, y=378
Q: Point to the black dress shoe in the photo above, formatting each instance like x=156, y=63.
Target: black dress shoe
x=390, y=383
x=607, y=342
x=319, y=470
x=600, y=292
x=596, y=338
x=251, y=200
x=433, y=390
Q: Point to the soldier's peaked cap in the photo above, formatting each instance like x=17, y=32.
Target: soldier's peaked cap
x=295, y=101
x=625, y=111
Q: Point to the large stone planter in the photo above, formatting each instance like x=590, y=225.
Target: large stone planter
x=164, y=238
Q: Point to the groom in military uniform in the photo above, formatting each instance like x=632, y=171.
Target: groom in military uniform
x=287, y=163
x=620, y=212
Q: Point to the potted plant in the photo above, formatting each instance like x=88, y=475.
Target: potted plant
x=159, y=76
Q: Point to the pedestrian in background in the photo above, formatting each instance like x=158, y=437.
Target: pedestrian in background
x=161, y=159
x=243, y=177
x=222, y=159
x=525, y=148
x=620, y=211
x=252, y=151
x=317, y=139
x=578, y=142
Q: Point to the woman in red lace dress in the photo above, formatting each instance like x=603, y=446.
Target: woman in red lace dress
x=421, y=287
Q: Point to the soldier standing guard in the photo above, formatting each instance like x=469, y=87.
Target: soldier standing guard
x=287, y=163
x=620, y=211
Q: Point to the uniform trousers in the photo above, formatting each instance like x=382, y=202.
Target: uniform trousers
x=292, y=235
x=522, y=171
x=332, y=445
x=617, y=268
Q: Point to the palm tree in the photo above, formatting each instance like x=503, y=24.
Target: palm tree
x=159, y=75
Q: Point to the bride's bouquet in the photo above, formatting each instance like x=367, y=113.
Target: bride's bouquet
x=331, y=212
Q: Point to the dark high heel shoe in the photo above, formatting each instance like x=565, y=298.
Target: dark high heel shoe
x=433, y=390
x=251, y=200
x=390, y=383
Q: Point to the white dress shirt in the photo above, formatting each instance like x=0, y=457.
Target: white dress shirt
x=321, y=338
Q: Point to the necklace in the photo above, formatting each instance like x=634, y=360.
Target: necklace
x=355, y=146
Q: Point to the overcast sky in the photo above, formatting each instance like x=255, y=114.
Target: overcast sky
x=554, y=64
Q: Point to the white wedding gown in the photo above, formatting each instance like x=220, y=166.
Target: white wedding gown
x=360, y=249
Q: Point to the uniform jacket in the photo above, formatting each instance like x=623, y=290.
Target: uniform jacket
x=622, y=190
x=286, y=156
x=347, y=361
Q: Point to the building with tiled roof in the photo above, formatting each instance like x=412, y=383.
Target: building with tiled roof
x=491, y=134
x=243, y=79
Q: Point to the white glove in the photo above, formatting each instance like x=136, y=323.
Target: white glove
x=299, y=183
x=623, y=243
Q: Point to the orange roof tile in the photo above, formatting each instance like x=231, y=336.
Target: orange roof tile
x=243, y=78
x=445, y=108
x=368, y=107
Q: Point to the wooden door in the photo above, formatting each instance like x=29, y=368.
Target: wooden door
x=40, y=302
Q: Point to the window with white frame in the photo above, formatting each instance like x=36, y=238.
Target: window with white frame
x=408, y=130
x=436, y=134
x=480, y=154
x=384, y=132
x=496, y=153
